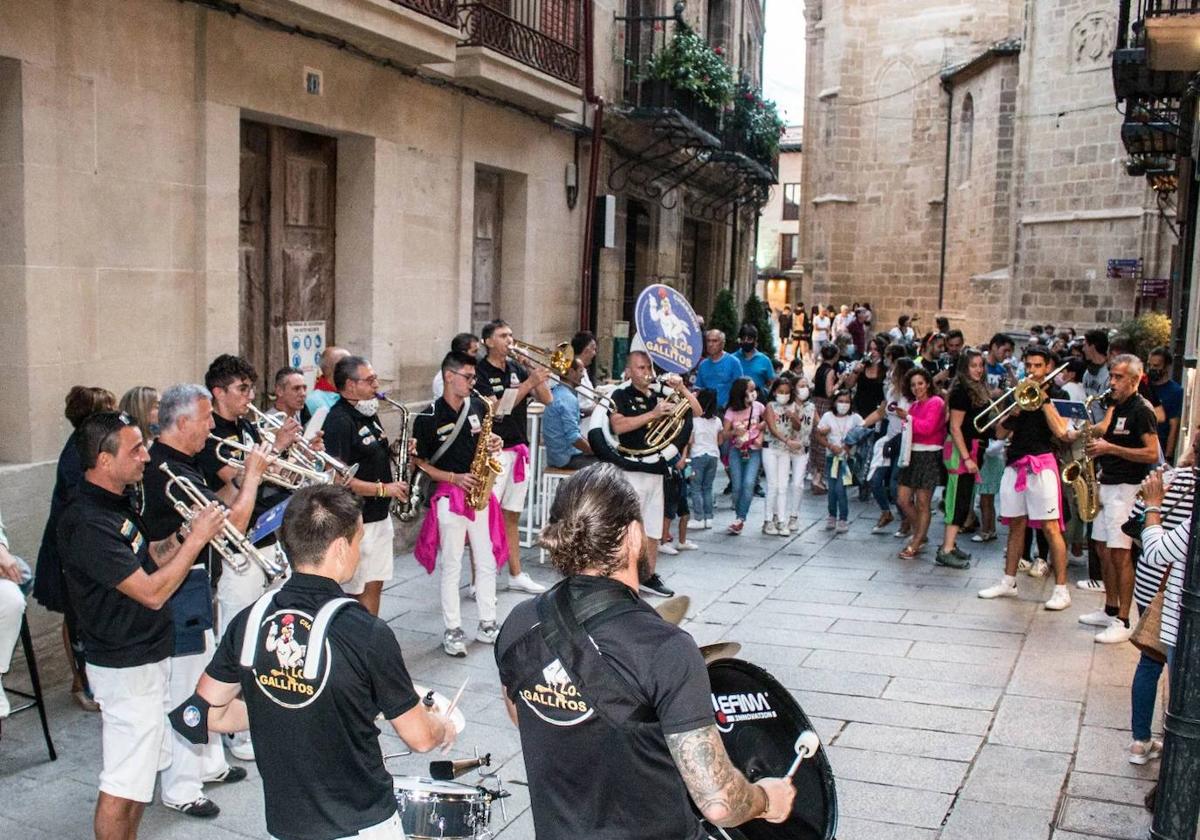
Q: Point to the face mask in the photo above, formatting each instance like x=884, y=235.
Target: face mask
x=747, y=347
x=842, y=408
x=801, y=394
x=782, y=399
x=367, y=407
x=1157, y=375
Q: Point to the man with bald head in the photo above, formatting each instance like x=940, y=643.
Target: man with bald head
x=718, y=370
x=324, y=394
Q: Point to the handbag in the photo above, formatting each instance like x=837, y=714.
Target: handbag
x=1147, y=633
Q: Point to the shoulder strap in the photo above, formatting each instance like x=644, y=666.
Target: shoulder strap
x=250, y=632
x=458, y=424
x=316, y=639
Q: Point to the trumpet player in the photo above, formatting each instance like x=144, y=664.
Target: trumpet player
x=1125, y=447
x=497, y=373
x=354, y=435
x=290, y=394
x=636, y=406
x=121, y=584
x=185, y=415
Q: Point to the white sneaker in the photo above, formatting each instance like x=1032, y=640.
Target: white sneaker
x=668, y=548
x=1024, y=565
x=771, y=529
x=830, y=523
x=1088, y=585
x=687, y=545
x=1114, y=634
x=793, y=524
x=1098, y=618
x=697, y=525
x=454, y=642
x=487, y=633
x=1006, y=588
x=1040, y=567
x=524, y=583
x=240, y=746
x=1060, y=600
x=1142, y=751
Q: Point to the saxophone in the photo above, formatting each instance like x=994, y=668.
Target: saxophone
x=405, y=470
x=484, y=466
x=1080, y=473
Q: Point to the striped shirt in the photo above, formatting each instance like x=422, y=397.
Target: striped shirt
x=1166, y=545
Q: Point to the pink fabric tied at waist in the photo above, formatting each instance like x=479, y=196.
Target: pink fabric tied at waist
x=1036, y=464
x=429, y=539
x=521, y=450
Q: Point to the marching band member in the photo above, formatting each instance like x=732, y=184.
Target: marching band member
x=354, y=434
x=495, y=374
x=120, y=583
x=637, y=405
x=461, y=343
x=447, y=436
x=290, y=394
x=313, y=718
x=185, y=417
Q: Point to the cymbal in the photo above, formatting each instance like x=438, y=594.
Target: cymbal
x=674, y=609
x=719, y=650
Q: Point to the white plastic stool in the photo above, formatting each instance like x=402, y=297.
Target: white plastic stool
x=551, y=478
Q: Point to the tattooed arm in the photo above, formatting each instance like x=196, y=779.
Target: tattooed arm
x=724, y=796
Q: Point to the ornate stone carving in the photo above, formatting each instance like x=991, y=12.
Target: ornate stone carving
x=1092, y=39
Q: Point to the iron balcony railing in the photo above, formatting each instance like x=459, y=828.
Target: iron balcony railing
x=444, y=10
x=542, y=34
x=1157, y=8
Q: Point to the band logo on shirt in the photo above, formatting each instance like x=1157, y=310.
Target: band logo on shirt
x=557, y=701
x=280, y=673
x=734, y=708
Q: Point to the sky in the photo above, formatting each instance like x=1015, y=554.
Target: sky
x=783, y=58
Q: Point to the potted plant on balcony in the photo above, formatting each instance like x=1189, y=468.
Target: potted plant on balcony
x=690, y=76
x=753, y=126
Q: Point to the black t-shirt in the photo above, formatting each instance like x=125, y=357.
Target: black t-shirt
x=158, y=513
x=630, y=402
x=492, y=381
x=244, y=432
x=355, y=438
x=436, y=423
x=576, y=759
x=960, y=400
x=1031, y=433
x=103, y=541
x=1130, y=421
x=868, y=393
x=821, y=380
x=316, y=743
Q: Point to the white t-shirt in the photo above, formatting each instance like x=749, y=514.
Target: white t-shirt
x=704, y=436
x=894, y=399
x=820, y=328
x=905, y=337
x=1075, y=391
x=438, y=385
x=837, y=427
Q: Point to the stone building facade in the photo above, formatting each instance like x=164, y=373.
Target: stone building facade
x=180, y=179
x=965, y=159
x=780, y=273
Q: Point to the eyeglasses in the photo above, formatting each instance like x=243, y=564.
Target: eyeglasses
x=370, y=380
x=469, y=377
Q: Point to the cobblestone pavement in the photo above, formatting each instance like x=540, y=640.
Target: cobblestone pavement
x=945, y=716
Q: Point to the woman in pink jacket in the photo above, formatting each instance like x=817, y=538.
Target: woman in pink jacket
x=927, y=418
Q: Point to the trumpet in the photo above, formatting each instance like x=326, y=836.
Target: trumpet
x=556, y=362
x=302, y=452
x=233, y=546
x=1026, y=395
x=288, y=475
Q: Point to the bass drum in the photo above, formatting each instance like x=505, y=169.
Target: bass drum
x=759, y=722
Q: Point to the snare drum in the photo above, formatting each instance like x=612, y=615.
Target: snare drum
x=431, y=810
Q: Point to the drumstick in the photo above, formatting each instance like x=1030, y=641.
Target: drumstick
x=454, y=702
x=807, y=744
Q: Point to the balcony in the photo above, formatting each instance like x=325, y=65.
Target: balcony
x=528, y=51
x=412, y=33
x=1172, y=34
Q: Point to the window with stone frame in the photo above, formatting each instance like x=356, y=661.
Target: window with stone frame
x=966, y=138
x=791, y=202
x=789, y=251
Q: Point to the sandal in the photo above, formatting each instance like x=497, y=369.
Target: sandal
x=909, y=552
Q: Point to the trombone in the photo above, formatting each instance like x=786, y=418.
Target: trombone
x=1026, y=395
x=233, y=546
x=302, y=452
x=556, y=362
x=287, y=474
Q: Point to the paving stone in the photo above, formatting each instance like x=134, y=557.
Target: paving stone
x=745, y=632
x=1000, y=622
x=897, y=770
x=853, y=828
x=1110, y=819
x=831, y=682
x=1108, y=788
x=771, y=606
x=916, y=632
x=971, y=820
x=882, y=803
x=1109, y=706
x=962, y=653
x=1114, y=665
x=1030, y=723
x=895, y=713
x=898, y=666
x=1008, y=774
x=1055, y=676
x=902, y=740
x=812, y=596
x=943, y=694
x=779, y=621
x=767, y=656
x=1106, y=751
x=827, y=728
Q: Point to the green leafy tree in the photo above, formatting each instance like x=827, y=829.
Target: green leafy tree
x=756, y=312
x=1146, y=331
x=725, y=318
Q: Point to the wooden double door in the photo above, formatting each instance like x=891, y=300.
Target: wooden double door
x=286, y=246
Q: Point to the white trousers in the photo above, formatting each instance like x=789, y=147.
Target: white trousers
x=183, y=781
x=12, y=607
x=389, y=829
x=238, y=590
x=453, y=531
x=785, y=481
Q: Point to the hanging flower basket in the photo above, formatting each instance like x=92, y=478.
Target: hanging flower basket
x=697, y=73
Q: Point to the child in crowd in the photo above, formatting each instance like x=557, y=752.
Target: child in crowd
x=831, y=433
x=706, y=457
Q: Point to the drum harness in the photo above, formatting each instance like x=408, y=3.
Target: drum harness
x=316, y=637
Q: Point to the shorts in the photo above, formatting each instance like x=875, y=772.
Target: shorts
x=133, y=727
x=1116, y=503
x=1039, y=502
x=389, y=829
x=959, y=498
x=509, y=493
x=675, y=496
x=376, y=559
x=649, y=489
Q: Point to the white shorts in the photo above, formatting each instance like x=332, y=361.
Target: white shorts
x=649, y=489
x=1038, y=502
x=1116, y=503
x=510, y=494
x=389, y=829
x=133, y=727
x=376, y=558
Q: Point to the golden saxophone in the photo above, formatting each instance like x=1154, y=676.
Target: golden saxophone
x=1080, y=474
x=484, y=466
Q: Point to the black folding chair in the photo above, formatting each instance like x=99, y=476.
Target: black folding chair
x=35, y=699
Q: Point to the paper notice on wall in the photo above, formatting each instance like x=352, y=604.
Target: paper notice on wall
x=305, y=341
